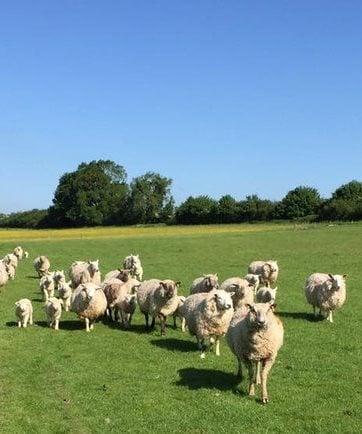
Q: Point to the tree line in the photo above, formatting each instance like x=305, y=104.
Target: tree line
x=97, y=194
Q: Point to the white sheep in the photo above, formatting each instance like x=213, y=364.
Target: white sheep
x=207, y=316
x=327, y=292
x=47, y=286
x=84, y=272
x=266, y=294
x=89, y=302
x=177, y=313
x=11, y=270
x=65, y=293
x=133, y=263
x=11, y=259
x=18, y=252
x=115, y=288
x=24, y=312
x=206, y=283
x=58, y=277
x=266, y=270
x=242, y=289
x=158, y=298
x=4, y=275
x=41, y=265
x=53, y=310
x=255, y=336
x=254, y=279
x=125, y=305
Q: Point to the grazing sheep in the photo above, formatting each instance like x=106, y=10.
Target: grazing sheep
x=89, y=302
x=53, y=310
x=125, y=305
x=242, y=289
x=158, y=298
x=177, y=313
x=4, y=275
x=65, y=293
x=47, y=286
x=266, y=294
x=18, y=252
x=41, y=265
x=255, y=336
x=266, y=270
x=133, y=263
x=24, y=312
x=207, y=316
x=84, y=272
x=327, y=292
x=254, y=280
x=206, y=283
x=11, y=259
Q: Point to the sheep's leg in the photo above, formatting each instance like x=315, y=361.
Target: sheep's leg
x=146, y=319
x=330, y=317
x=153, y=322
x=183, y=325
x=267, y=364
x=174, y=321
x=19, y=323
x=239, y=373
x=31, y=318
x=258, y=377
x=91, y=325
x=202, y=347
x=129, y=319
x=217, y=345
x=116, y=314
x=250, y=366
x=86, y=324
x=56, y=324
x=162, y=319
x=314, y=311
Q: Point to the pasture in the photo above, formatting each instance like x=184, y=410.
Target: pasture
x=112, y=380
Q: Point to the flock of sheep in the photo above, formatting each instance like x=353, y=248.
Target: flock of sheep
x=212, y=310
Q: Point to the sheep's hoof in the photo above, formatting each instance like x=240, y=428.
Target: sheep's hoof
x=265, y=400
x=202, y=355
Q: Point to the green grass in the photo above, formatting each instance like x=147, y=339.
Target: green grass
x=111, y=380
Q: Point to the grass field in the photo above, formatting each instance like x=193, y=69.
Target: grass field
x=111, y=380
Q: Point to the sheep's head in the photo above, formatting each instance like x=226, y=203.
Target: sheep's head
x=169, y=288
x=21, y=305
x=259, y=313
x=336, y=281
x=93, y=266
x=223, y=299
x=89, y=291
x=124, y=274
x=59, y=276
x=211, y=281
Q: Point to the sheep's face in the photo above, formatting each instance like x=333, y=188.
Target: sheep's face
x=336, y=281
x=273, y=266
x=59, y=276
x=223, y=300
x=169, y=288
x=93, y=266
x=259, y=313
x=89, y=291
x=124, y=275
x=21, y=306
x=211, y=281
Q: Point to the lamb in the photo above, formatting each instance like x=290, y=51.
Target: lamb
x=41, y=265
x=177, y=313
x=4, y=275
x=18, y=252
x=58, y=277
x=24, y=312
x=242, y=289
x=126, y=306
x=206, y=283
x=158, y=298
x=116, y=288
x=89, y=302
x=84, y=272
x=266, y=270
x=254, y=280
x=266, y=294
x=47, y=286
x=133, y=263
x=65, y=293
x=53, y=310
x=327, y=292
x=255, y=336
x=207, y=316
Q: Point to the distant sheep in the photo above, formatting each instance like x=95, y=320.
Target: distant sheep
x=47, y=286
x=266, y=270
x=18, y=252
x=327, y=292
x=133, y=263
x=206, y=283
x=207, y=316
x=53, y=310
x=266, y=294
x=243, y=290
x=24, y=312
x=41, y=265
x=84, y=272
x=255, y=336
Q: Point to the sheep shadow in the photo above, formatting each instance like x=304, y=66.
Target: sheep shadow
x=195, y=379
x=173, y=344
x=33, y=277
x=11, y=324
x=301, y=315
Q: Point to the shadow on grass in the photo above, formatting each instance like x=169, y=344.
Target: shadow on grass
x=301, y=315
x=11, y=324
x=194, y=379
x=33, y=277
x=173, y=344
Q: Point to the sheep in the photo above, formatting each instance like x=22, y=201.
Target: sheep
x=24, y=312
x=266, y=270
x=11, y=259
x=254, y=280
x=41, y=265
x=18, y=252
x=242, y=289
x=84, y=272
x=89, y=302
x=125, y=305
x=115, y=288
x=121, y=274
x=11, y=270
x=207, y=316
x=206, y=283
x=46, y=286
x=53, y=310
x=327, y=292
x=255, y=336
x=158, y=298
x=177, y=313
x=133, y=263
x=266, y=294
x=4, y=275
x=58, y=277
x=65, y=293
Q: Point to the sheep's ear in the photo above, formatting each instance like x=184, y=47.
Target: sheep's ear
x=178, y=284
x=344, y=276
x=17, y=303
x=331, y=276
x=276, y=289
x=273, y=306
x=249, y=306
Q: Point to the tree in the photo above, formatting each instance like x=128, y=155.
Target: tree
x=95, y=194
x=228, y=210
x=198, y=210
x=150, y=199
x=300, y=202
x=256, y=209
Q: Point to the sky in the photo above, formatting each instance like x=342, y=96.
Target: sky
x=224, y=97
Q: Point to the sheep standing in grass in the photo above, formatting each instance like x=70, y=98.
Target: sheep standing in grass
x=158, y=298
x=41, y=265
x=4, y=275
x=266, y=294
x=11, y=259
x=65, y=293
x=84, y=272
x=133, y=263
x=47, y=286
x=266, y=270
x=254, y=280
x=207, y=316
x=89, y=302
x=255, y=336
x=18, y=252
x=327, y=292
x=125, y=306
x=243, y=290
x=206, y=283
x=53, y=310
x=24, y=312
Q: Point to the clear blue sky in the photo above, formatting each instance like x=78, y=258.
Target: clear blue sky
x=224, y=97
